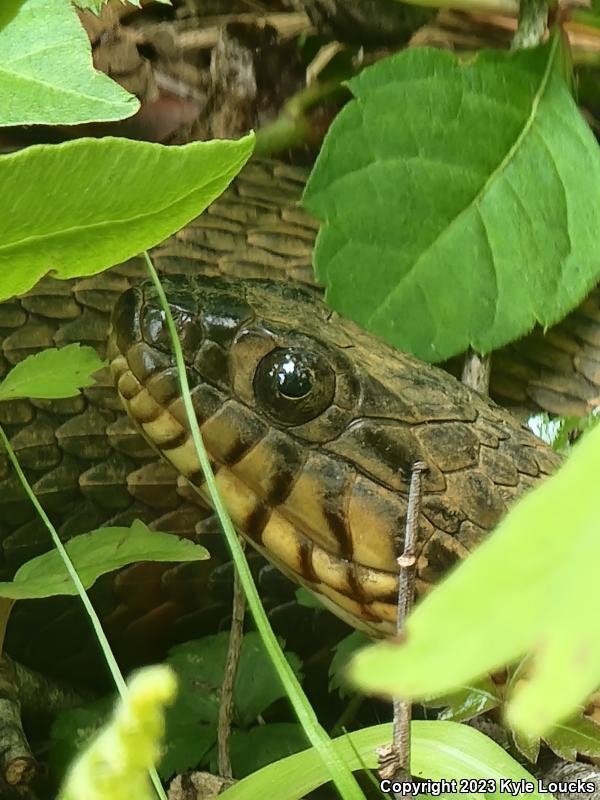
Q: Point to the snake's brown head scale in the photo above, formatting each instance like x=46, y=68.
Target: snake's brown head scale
x=313, y=427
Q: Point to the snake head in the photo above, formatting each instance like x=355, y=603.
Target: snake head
x=313, y=426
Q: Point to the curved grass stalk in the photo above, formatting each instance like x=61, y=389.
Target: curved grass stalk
x=338, y=769
x=101, y=636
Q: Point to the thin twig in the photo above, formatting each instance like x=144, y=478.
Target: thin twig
x=293, y=125
x=394, y=759
x=236, y=635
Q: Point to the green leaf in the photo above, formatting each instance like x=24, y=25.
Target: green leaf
x=308, y=599
x=79, y=207
x=187, y=741
x=439, y=750
x=257, y=684
x=528, y=746
x=94, y=554
x=567, y=663
x=468, y=702
x=52, y=374
x=577, y=736
x=343, y=650
x=532, y=586
x=460, y=200
x=46, y=69
x=264, y=744
x=200, y=666
x=73, y=729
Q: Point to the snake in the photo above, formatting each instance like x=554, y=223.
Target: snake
x=313, y=426
x=317, y=479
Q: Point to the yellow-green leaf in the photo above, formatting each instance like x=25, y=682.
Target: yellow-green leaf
x=52, y=374
x=80, y=207
x=46, y=71
x=93, y=554
x=439, y=750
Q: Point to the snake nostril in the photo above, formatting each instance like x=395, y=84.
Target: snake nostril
x=126, y=319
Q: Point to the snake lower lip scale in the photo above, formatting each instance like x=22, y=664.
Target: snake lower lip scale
x=312, y=426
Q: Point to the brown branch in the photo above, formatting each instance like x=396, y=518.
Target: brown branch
x=17, y=764
x=394, y=759
x=25, y=691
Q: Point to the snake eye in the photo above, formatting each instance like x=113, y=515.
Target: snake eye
x=294, y=385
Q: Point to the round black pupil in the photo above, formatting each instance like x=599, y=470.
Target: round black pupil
x=293, y=379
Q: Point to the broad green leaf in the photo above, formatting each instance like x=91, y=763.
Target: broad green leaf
x=93, y=554
x=257, y=684
x=531, y=587
x=468, y=702
x=528, y=746
x=343, y=650
x=460, y=200
x=73, y=729
x=187, y=742
x=567, y=664
x=308, y=599
x=52, y=374
x=439, y=750
x=580, y=735
x=200, y=666
x=262, y=745
x=80, y=207
x=46, y=71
